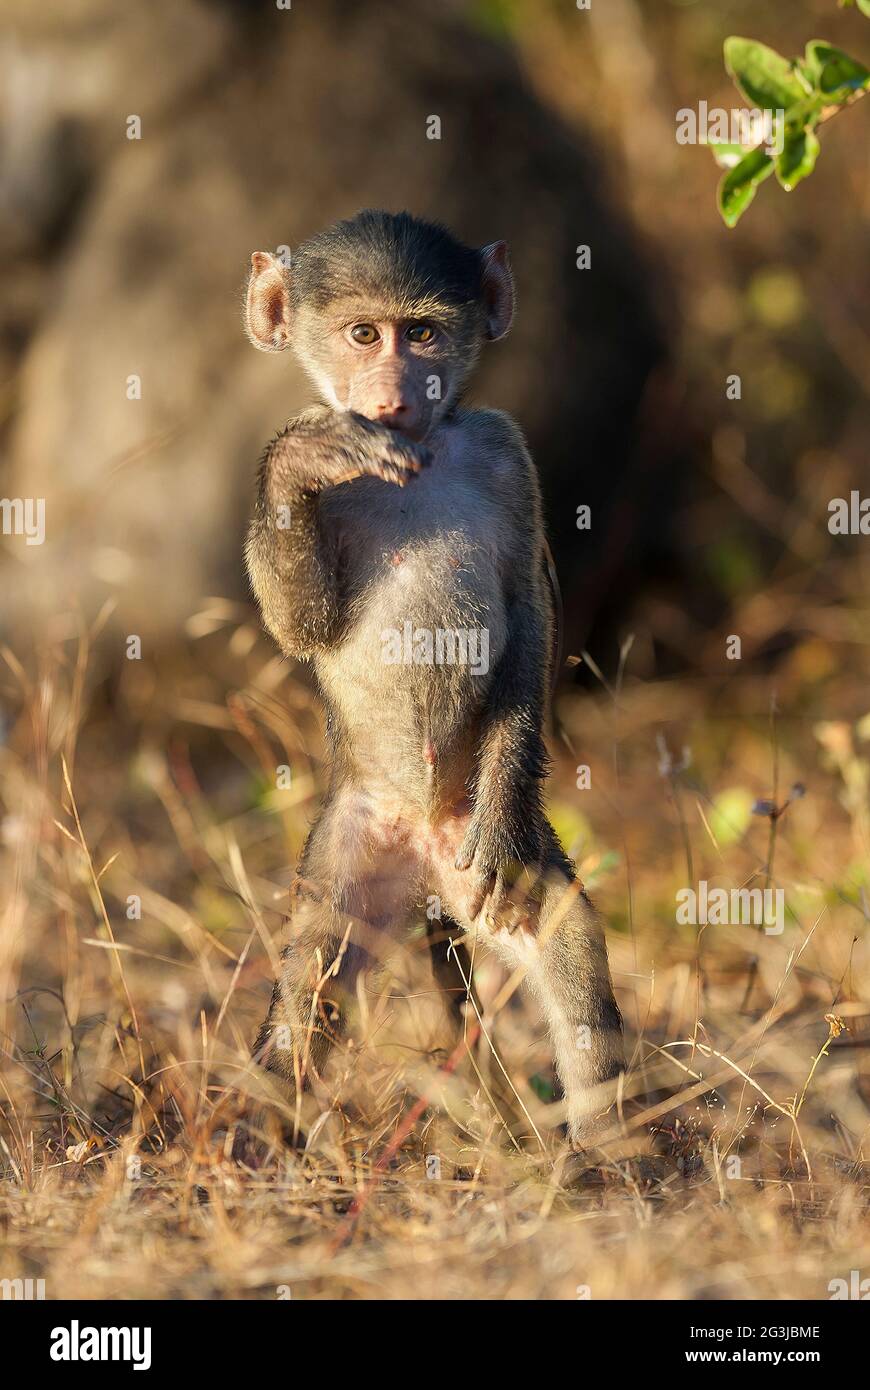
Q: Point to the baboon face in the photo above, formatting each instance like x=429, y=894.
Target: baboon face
x=403, y=372
x=386, y=313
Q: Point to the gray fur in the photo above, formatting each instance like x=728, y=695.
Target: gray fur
x=437, y=769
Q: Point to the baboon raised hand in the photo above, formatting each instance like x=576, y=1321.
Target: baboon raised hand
x=398, y=546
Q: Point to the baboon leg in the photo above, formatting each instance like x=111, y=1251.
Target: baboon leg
x=303, y=1020
x=566, y=958
x=451, y=967
x=355, y=884
x=571, y=978
x=309, y=998
x=561, y=948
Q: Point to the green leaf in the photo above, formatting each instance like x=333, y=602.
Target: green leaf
x=834, y=73
x=799, y=154
x=726, y=154
x=864, y=7
x=763, y=76
x=737, y=188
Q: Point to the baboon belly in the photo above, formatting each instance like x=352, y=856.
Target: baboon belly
x=413, y=671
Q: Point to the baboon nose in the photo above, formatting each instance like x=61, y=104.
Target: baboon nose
x=393, y=414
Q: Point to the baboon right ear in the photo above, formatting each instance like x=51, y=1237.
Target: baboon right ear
x=267, y=312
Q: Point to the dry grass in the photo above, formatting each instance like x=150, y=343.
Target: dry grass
x=126, y=1041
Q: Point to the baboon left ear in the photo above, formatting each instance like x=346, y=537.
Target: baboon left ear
x=267, y=308
x=498, y=289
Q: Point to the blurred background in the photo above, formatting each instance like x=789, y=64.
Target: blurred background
x=127, y=258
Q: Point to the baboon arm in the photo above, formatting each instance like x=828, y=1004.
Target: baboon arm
x=511, y=763
x=290, y=561
x=511, y=756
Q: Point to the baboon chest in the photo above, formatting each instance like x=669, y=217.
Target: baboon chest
x=423, y=570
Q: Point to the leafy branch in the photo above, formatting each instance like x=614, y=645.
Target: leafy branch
x=808, y=91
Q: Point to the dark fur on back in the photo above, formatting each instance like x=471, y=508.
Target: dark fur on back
x=380, y=252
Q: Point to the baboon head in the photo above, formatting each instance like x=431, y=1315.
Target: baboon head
x=386, y=313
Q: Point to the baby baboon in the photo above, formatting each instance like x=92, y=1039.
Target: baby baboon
x=397, y=544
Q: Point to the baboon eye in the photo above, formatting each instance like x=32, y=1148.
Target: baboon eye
x=365, y=334
x=420, y=333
